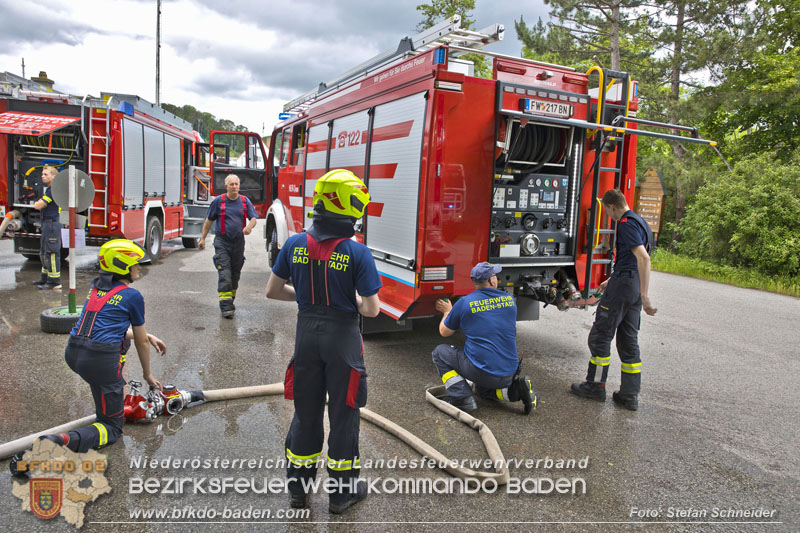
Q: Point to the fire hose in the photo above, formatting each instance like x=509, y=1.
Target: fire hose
x=11, y=215
x=170, y=400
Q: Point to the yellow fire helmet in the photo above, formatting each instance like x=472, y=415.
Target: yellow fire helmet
x=119, y=255
x=342, y=192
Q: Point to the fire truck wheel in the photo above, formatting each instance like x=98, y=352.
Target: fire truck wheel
x=153, y=237
x=190, y=242
x=59, y=319
x=272, y=247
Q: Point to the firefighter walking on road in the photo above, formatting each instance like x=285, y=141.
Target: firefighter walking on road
x=334, y=279
x=234, y=217
x=488, y=318
x=112, y=316
x=619, y=310
x=50, y=242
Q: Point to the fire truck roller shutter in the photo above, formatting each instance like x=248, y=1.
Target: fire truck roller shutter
x=172, y=170
x=315, y=164
x=349, y=143
x=533, y=146
x=153, y=162
x=133, y=161
x=34, y=124
x=397, y=151
x=348, y=150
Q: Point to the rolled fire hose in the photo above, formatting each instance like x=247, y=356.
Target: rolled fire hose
x=453, y=467
x=7, y=220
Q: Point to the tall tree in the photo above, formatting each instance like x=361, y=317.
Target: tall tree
x=439, y=10
x=759, y=96
x=583, y=31
x=671, y=46
x=691, y=39
x=201, y=121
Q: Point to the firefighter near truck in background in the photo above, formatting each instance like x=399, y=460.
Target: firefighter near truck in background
x=233, y=217
x=153, y=176
x=463, y=169
x=50, y=245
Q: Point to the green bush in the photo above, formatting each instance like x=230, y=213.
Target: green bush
x=749, y=217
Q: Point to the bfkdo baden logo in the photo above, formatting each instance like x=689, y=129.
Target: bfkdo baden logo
x=46, y=497
x=55, y=481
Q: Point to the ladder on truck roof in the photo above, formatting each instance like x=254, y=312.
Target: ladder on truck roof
x=97, y=146
x=448, y=32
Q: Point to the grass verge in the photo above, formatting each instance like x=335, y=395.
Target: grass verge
x=665, y=261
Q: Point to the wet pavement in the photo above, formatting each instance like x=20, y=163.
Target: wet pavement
x=717, y=427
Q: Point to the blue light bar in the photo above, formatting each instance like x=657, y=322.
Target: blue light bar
x=125, y=107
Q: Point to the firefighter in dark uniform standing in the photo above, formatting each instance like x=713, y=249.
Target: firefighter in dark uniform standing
x=619, y=310
x=50, y=242
x=334, y=279
x=112, y=316
x=231, y=212
x=488, y=318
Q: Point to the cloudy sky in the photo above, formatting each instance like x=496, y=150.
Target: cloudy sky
x=237, y=59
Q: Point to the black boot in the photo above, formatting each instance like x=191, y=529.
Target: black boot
x=361, y=492
x=628, y=401
x=526, y=392
x=299, y=501
x=466, y=404
x=590, y=389
x=13, y=465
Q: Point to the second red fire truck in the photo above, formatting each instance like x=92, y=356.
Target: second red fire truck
x=153, y=175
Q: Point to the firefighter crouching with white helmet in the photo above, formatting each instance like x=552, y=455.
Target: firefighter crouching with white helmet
x=112, y=315
x=334, y=280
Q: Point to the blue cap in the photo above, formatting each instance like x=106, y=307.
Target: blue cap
x=484, y=271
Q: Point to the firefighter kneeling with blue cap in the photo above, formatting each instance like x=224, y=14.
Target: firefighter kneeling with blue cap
x=334, y=279
x=488, y=318
x=112, y=315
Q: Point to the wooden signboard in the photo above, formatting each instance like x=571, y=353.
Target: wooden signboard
x=649, y=200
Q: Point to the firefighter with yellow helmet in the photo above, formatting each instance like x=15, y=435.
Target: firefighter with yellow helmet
x=112, y=315
x=334, y=279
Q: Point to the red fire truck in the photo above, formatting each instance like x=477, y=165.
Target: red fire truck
x=463, y=169
x=153, y=176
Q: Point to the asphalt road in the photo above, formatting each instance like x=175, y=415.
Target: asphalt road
x=717, y=428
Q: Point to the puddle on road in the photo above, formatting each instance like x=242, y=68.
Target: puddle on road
x=8, y=278
x=16, y=270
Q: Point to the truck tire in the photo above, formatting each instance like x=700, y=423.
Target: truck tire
x=153, y=237
x=190, y=242
x=59, y=319
x=272, y=247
